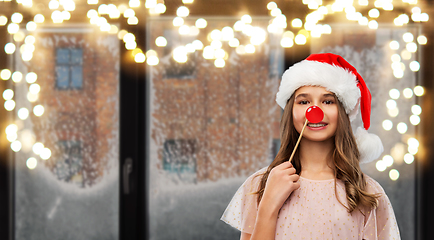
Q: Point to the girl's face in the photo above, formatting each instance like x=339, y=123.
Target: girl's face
x=309, y=96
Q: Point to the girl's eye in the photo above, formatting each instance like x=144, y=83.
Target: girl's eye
x=328, y=102
x=303, y=102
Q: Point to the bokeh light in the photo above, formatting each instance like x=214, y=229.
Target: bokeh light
x=37, y=148
x=393, y=112
x=296, y=23
x=407, y=92
x=374, y=13
x=38, y=110
x=414, y=66
x=388, y=160
x=10, y=48
x=416, y=109
x=219, y=63
x=391, y=104
x=408, y=158
x=402, y=127
x=419, y=91
x=414, y=120
x=407, y=37
x=45, y=153
x=201, y=23
x=394, y=93
x=23, y=113
x=394, y=45
x=422, y=40
x=17, y=76
x=387, y=125
x=381, y=165
x=9, y=105
x=31, y=163
x=8, y=94
x=394, y=174
x=5, y=74
x=16, y=146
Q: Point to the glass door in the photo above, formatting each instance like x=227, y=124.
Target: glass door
x=211, y=121
x=64, y=134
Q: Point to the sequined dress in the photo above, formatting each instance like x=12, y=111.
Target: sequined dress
x=313, y=212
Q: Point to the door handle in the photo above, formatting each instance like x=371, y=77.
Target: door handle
x=127, y=169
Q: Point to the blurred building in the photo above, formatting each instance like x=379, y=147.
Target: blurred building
x=79, y=84
x=210, y=123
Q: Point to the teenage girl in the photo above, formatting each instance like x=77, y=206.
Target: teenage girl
x=322, y=193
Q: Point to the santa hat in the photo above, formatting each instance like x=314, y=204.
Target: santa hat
x=338, y=76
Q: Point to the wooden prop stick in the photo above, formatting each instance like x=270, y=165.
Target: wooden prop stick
x=298, y=141
x=314, y=114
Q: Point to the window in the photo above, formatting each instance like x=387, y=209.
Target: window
x=69, y=68
x=179, y=158
x=70, y=163
x=174, y=69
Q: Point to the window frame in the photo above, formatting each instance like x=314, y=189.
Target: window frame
x=69, y=65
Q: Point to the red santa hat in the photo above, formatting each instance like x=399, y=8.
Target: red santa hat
x=338, y=76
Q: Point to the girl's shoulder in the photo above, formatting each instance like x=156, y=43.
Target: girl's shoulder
x=252, y=182
x=260, y=172
x=256, y=177
x=372, y=186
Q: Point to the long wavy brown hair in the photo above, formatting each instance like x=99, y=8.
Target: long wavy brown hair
x=345, y=158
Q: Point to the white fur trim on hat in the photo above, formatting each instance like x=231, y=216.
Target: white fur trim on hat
x=369, y=145
x=335, y=79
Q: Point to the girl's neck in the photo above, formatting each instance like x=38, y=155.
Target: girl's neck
x=316, y=157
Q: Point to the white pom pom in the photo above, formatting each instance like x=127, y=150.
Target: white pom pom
x=370, y=145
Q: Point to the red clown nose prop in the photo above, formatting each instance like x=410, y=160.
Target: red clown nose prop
x=314, y=114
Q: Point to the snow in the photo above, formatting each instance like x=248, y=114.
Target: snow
x=111, y=43
x=192, y=211
x=46, y=208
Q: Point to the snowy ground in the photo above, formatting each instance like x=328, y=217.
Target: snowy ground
x=193, y=211
x=47, y=208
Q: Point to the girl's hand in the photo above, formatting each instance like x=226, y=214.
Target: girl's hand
x=281, y=182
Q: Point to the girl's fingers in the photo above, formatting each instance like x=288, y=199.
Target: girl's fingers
x=284, y=165
x=290, y=171
x=294, y=177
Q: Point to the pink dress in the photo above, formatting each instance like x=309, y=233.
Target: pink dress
x=313, y=212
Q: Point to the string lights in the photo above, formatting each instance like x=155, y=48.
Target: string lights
x=292, y=32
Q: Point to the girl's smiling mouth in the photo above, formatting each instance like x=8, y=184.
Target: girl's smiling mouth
x=317, y=126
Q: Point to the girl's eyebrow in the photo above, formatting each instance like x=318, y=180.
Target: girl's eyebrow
x=307, y=94
x=302, y=95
